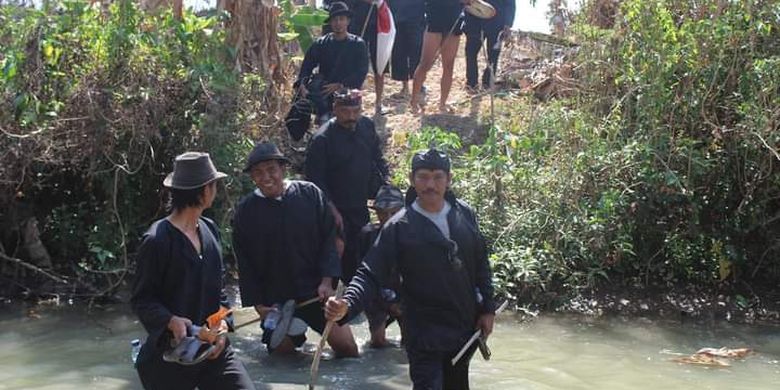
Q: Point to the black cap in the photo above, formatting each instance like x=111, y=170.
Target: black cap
x=388, y=197
x=431, y=159
x=192, y=170
x=263, y=152
x=338, y=8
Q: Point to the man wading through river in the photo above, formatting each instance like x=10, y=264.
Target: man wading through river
x=179, y=284
x=345, y=160
x=435, y=245
x=284, y=239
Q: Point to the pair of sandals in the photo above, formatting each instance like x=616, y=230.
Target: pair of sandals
x=191, y=350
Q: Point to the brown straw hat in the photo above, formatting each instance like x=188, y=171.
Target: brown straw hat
x=192, y=170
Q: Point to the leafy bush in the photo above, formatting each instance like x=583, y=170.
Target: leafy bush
x=94, y=106
x=662, y=171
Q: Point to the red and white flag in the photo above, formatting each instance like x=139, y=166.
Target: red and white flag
x=385, y=35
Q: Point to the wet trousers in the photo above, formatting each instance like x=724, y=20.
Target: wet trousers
x=222, y=373
x=433, y=370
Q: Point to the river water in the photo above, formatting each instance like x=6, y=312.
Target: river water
x=71, y=347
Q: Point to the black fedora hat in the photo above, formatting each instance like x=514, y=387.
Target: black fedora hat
x=192, y=170
x=264, y=151
x=338, y=8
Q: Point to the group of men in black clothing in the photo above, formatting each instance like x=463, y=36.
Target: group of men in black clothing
x=424, y=30
x=425, y=263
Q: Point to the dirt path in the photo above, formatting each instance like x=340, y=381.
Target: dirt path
x=470, y=113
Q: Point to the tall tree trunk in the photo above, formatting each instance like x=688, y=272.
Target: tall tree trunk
x=252, y=32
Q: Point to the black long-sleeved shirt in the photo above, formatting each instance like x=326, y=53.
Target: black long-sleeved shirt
x=439, y=298
x=284, y=247
x=172, y=279
x=340, y=61
x=342, y=162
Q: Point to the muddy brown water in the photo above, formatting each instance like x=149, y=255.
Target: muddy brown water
x=70, y=347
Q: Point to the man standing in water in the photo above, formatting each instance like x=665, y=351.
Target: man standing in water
x=342, y=59
x=436, y=247
x=284, y=238
x=445, y=23
x=179, y=284
x=345, y=160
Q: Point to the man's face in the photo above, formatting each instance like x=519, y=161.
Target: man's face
x=269, y=177
x=347, y=116
x=431, y=184
x=339, y=24
x=209, y=194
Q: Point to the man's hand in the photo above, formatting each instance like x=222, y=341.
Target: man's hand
x=335, y=309
x=220, y=344
x=263, y=310
x=328, y=89
x=325, y=289
x=178, y=326
x=485, y=323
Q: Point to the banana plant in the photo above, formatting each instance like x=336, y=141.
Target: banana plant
x=298, y=22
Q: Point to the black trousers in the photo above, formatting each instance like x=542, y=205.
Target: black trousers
x=433, y=370
x=354, y=220
x=477, y=31
x=224, y=372
x=406, y=49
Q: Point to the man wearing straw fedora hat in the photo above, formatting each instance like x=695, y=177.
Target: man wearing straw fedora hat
x=284, y=239
x=179, y=284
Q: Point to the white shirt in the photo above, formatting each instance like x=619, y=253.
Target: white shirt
x=439, y=218
x=279, y=198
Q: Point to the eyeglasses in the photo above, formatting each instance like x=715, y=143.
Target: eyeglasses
x=453, y=257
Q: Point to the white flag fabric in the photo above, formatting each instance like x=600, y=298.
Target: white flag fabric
x=385, y=35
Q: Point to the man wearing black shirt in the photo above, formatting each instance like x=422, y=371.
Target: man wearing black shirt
x=435, y=245
x=342, y=59
x=179, y=284
x=283, y=235
x=345, y=160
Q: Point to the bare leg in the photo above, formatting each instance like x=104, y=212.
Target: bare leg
x=286, y=347
x=430, y=50
x=342, y=342
x=449, y=50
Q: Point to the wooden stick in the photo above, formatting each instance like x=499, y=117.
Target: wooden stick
x=34, y=268
x=315, y=364
x=475, y=336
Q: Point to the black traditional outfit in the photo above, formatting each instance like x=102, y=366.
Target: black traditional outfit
x=284, y=247
x=345, y=164
x=409, y=17
x=445, y=285
x=478, y=30
x=342, y=61
x=173, y=279
x=444, y=16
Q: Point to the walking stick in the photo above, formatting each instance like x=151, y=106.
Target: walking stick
x=475, y=336
x=368, y=17
x=315, y=364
